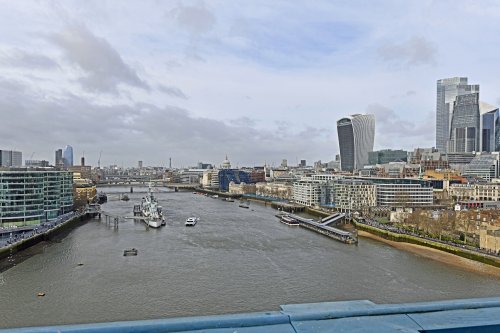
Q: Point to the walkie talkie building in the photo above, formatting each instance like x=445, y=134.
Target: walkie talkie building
x=356, y=137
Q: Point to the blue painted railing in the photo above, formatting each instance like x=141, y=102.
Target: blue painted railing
x=455, y=316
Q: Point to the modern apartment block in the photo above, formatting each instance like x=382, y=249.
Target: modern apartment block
x=11, y=158
x=310, y=192
x=404, y=195
x=31, y=196
x=356, y=193
x=356, y=138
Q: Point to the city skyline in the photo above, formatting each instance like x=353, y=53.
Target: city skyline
x=205, y=79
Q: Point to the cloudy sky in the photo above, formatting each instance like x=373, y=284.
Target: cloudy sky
x=256, y=80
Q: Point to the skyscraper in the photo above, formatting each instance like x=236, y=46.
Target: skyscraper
x=11, y=158
x=68, y=156
x=356, y=138
x=59, y=158
x=447, y=92
x=465, y=124
x=490, y=127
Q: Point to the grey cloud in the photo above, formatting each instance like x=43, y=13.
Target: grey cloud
x=196, y=20
x=24, y=59
x=413, y=52
x=411, y=93
x=243, y=121
x=103, y=65
x=172, y=91
x=391, y=129
x=128, y=132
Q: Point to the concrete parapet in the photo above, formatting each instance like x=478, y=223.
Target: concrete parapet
x=469, y=315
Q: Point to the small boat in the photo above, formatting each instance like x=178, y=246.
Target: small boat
x=289, y=221
x=215, y=196
x=130, y=252
x=191, y=221
x=124, y=198
x=40, y=294
x=228, y=200
x=244, y=206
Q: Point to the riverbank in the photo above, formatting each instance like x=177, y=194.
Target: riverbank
x=438, y=255
x=57, y=230
x=408, y=239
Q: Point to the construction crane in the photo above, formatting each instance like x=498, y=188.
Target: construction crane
x=32, y=154
x=99, y=160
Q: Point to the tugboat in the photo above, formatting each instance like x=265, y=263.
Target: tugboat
x=151, y=211
x=124, y=198
x=101, y=198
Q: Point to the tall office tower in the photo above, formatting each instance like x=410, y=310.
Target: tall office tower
x=59, y=158
x=139, y=164
x=11, y=158
x=465, y=124
x=356, y=138
x=490, y=127
x=68, y=156
x=447, y=92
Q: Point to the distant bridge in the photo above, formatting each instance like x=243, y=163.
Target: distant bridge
x=140, y=182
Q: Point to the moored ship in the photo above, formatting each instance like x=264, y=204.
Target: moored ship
x=151, y=210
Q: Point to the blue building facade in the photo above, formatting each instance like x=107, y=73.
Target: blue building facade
x=227, y=176
x=68, y=156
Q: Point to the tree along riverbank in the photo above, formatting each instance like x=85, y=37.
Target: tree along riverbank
x=403, y=238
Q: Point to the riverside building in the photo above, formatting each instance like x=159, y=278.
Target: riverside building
x=30, y=196
x=355, y=193
x=11, y=158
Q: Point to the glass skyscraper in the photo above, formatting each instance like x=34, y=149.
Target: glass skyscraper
x=465, y=124
x=490, y=127
x=356, y=138
x=68, y=156
x=447, y=92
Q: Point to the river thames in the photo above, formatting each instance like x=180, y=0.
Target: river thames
x=233, y=260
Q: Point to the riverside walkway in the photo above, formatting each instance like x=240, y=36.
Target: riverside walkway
x=12, y=235
x=453, y=316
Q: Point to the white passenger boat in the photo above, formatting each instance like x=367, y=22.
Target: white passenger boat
x=191, y=221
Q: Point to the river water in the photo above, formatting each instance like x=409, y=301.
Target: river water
x=233, y=260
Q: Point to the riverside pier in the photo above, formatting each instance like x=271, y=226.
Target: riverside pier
x=322, y=227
